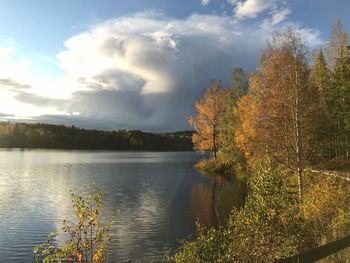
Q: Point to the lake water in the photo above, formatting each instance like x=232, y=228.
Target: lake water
x=159, y=194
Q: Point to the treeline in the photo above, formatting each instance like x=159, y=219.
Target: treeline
x=290, y=115
x=24, y=135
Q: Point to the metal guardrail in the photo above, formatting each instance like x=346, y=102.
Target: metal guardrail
x=319, y=252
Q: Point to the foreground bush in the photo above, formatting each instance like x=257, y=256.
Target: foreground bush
x=269, y=226
x=274, y=223
x=87, y=237
x=326, y=208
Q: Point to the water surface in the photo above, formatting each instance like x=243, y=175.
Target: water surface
x=159, y=194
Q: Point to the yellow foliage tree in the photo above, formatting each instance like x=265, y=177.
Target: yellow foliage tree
x=246, y=131
x=276, y=118
x=207, y=122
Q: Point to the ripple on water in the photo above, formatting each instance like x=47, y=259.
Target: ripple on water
x=153, y=191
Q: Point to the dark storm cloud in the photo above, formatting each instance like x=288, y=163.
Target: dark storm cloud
x=3, y=115
x=31, y=98
x=110, y=104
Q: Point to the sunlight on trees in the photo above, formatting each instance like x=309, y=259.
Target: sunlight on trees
x=285, y=105
x=293, y=116
x=207, y=123
x=288, y=116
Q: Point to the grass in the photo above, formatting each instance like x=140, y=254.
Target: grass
x=215, y=168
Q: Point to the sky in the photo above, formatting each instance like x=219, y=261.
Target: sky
x=137, y=64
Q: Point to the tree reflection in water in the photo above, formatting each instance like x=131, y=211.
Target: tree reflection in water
x=212, y=200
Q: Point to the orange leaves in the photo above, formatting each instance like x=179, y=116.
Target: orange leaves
x=246, y=132
x=98, y=256
x=276, y=114
x=207, y=121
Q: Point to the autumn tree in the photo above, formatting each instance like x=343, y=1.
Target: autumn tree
x=283, y=102
x=207, y=121
x=246, y=136
x=228, y=153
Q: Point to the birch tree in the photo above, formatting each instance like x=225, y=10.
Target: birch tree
x=207, y=121
x=284, y=102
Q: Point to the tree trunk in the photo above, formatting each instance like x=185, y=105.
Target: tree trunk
x=214, y=144
x=300, y=183
x=298, y=141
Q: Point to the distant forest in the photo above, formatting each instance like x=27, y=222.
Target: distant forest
x=49, y=136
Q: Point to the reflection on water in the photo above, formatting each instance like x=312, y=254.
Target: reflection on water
x=159, y=196
x=213, y=199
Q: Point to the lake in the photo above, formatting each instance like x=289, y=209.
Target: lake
x=160, y=196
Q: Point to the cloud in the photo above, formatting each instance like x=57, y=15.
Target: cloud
x=276, y=10
x=11, y=85
x=4, y=116
x=149, y=69
x=205, y=2
x=251, y=8
x=30, y=98
x=311, y=36
x=232, y=2
x=279, y=15
x=144, y=71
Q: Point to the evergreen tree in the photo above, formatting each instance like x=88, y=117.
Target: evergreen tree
x=337, y=43
x=347, y=96
x=338, y=54
x=321, y=77
x=240, y=83
x=321, y=80
x=228, y=153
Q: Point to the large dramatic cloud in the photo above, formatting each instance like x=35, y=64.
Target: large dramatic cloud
x=146, y=70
